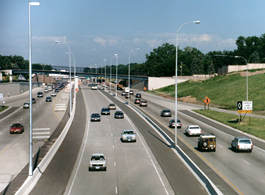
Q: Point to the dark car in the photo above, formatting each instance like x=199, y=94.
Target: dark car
x=172, y=123
x=127, y=95
x=137, y=101
x=57, y=90
x=95, y=117
x=138, y=95
x=165, y=113
x=105, y=111
x=33, y=101
x=16, y=128
x=123, y=93
x=40, y=94
x=48, y=99
x=118, y=115
x=207, y=142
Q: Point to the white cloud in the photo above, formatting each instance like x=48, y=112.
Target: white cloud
x=100, y=41
x=49, y=38
x=106, y=41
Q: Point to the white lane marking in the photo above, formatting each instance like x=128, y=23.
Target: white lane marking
x=114, y=163
x=185, y=163
x=148, y=153
x=149, y=156
x=12, y=113
x=116, y=190
x=246, y=162
x=80, y=159
x=113, y=147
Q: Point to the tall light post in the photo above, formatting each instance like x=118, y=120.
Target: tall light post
x=176, y=81
x=105, y=75
x=30, y=91
x=70, y=69
x=96, y=73
x=116, y=56
x=129, y=70
x=110, y=68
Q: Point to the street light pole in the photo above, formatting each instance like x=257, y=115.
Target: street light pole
x=176, y=79
x=105, y=75
x=110, y=68
x=116, y=55
x=96, y=73
x=30, y=91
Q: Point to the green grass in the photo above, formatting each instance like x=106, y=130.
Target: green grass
x=2, y=108
x=224, y=91
x=251, y=125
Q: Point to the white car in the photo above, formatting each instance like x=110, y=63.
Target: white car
x=242, y=144
x=53, y=94
x=97, y=162
x=128, y=136
x=193, y=130
x=94, y=87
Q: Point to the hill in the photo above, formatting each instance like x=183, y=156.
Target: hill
x=224, y=91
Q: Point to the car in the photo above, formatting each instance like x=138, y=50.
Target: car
x=143, y=103
x=242, y=144
x=112, y=107
x=48, y=99
x=131, y=92
x=94, y=87
x=53, y=94
x=119, y=115
x=123, y=93
x=128, y=136
x=33, y=101
x=97, y=162
x=172, y=123
x=95, y=117
x=105, y=111
x=127, y=95
x=138, y=95
x=207, y=142
x=46, y=90
x=40, y=94
x=26, y=105
x=16, y=128
x=193, y=130
x=165, y=113
x=137, y=101
x=57, y=90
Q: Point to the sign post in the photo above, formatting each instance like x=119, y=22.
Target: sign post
x=244, y=107
x=206, y=102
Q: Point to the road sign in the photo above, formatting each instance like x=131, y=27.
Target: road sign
x=244, y=106
x=207, y=100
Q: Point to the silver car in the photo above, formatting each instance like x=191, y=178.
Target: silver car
x=242, y=144
x=97, y=162
x=128, y=136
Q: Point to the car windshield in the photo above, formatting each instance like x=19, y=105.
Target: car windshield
x=194, y=127
x=111, y=105
x=128, y=132
x=245, y=141
x=95, y=115
x=166, y=110
x=97, y=158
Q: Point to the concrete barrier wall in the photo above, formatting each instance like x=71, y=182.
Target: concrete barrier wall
x=12, y=89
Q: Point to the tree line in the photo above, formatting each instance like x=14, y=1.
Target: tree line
x=161, y=60
x=18, y=62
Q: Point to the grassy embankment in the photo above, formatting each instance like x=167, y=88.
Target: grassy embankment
x=224, y=92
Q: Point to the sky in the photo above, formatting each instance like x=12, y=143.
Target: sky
x=97, y=29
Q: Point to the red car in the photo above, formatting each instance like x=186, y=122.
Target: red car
x=16, y=128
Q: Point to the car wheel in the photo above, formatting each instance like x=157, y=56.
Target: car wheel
x=214, y=149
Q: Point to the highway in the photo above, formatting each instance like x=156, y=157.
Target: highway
x=131, y=168
x=14, y=148
x=243, y=172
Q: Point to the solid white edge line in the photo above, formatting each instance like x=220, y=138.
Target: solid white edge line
x=185, y=163
x=233, y=129
x=77, y=165
x=196, y=176
x=148, y=153
x=12, y=113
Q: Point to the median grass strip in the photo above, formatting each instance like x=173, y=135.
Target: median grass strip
x=224, y=91
x=2, y=108
x=251, y=125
